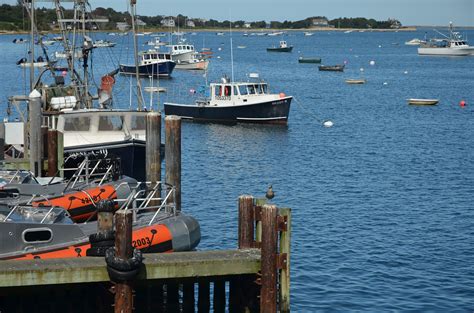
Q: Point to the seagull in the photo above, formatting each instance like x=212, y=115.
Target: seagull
x=270, y=194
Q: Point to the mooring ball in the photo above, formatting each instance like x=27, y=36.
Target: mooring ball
x=328, y=123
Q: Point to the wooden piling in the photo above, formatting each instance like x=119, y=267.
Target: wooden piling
x=2, y=141
x=35, y=120
x=123, y=250
x=173, y=156
x=246, y=222
x=44, y=141
x=153, y=147
x=268, y=296
x=52, y=152
x=60, y=152
x=285, y=239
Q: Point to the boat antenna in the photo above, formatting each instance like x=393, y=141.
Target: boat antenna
x=231, y=48
x=135, y=50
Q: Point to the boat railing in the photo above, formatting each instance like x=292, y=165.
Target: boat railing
x=43, y=214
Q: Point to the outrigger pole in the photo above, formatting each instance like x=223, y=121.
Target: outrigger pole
x=135, y=50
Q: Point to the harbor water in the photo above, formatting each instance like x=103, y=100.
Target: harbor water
x=383, y=214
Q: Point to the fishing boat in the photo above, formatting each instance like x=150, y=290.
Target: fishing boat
x=452, y=45
x=236, y=102
x=151, y=63
x=356, y=81
x=309, y=60
x=45, y=232
x=308, y=34
x=332, y=68
x=187, y=58
x=104, y=44
x=283, y=47
x=414, y=101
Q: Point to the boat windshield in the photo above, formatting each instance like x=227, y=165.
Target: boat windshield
x=110, y=123
x=138, y=122
x=77, y=123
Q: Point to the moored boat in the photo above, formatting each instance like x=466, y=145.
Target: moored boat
x=309, y=60
x=44, y=232
x=283, y=47
x=414, y=101
x=356, y=81
x=187, y=58
x=452, y=45
x=236, y=102
x=332, y=68
x=151, y=63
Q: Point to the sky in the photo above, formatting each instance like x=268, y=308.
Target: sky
x=408, y=12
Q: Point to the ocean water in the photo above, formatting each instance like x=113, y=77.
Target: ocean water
x=382, y=202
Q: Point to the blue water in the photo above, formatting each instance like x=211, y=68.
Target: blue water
x=383, y=215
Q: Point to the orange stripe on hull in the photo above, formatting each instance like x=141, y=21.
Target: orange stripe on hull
x=156, y=238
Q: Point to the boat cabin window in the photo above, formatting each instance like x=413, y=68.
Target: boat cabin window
x=251, y=89
x=77, y=123
x=236, y=91
x=175, y=48
x=227, y=91
x=138, y=122
x=243, y=90
x=111, y=123
x=37, y=235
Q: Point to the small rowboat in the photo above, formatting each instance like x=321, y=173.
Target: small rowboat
x=309, y=60
x=356, y=81
x=423, y=101
x=334, y=68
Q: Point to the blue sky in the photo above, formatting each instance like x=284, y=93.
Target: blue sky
x=409, y=12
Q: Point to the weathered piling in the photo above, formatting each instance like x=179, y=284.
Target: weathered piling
x=268, y=297
x=246, y=222
x=285, y=248
x=173, y=156
x=123, y=250
x=153, y=147
x=104, y=238
x=34, y=116
x=60, y=152
x=2, y=141
x=52, y=152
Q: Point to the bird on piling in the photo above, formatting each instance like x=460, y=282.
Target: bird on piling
x=270, y=194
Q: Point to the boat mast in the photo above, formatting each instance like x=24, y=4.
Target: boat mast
x=135, y=50
x=231, y=50
x=32, y=43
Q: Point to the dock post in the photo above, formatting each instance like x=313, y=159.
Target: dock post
x=60, y=149
x=285, y=239
x=104, y=238
x=173, y=156
x=35, y=119
x=123, y=250
x=52, y=152
x=2, y=141
x=153, y=149
x=268, y=296
x=246, y=222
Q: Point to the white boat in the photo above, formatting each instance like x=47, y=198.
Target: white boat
x=452, y=45
x=275, y=34
x=308, y=33
x=414, y=101
x=414, y=42
x=104, y=44
x=187, y=58
x=156, y=42
x=356, y=81
x=63, y=54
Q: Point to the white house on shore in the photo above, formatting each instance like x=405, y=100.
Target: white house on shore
x=168, y=22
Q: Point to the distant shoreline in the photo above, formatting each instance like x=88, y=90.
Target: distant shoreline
x=242, y=30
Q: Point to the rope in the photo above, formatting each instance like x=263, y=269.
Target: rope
x=308, y=112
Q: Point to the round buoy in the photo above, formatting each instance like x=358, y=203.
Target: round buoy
x=380, y=46
x=345, y=62
x=462, y=103
x=406, y=72
x=372, y=62
x=282, y=95
x=218, y=56
x=385, y=83
x=361, y=69
x=328, y=123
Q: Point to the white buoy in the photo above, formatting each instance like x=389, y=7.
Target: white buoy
x=372, y=62
x=385, y=83
x=218, y=56
x=380, y=46
x=361, y=69
x=328, y=123
x=406, y=72
x=219, y=48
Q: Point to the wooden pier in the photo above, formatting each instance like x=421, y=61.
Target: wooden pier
x=253, y=278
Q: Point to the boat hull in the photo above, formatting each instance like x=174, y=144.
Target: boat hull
x=196, y=66
x=161, y=69
x=132, y=154
x=269, y=112
x=335, y=68
x=286, y=49
x=422, y=101
x=445, y=51
x=309, y=60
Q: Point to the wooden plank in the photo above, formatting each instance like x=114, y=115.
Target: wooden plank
x=268, y=295
x=158, y=266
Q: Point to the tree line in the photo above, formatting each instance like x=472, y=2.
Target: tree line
x=15, y=18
